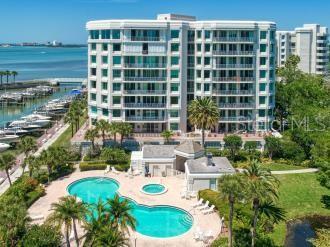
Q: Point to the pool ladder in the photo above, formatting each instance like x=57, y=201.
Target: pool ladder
x=186, y=220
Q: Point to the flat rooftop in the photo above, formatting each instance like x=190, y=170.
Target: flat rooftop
x=200, y=165
x=158, y=151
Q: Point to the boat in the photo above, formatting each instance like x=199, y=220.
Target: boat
x=36, y=116
x=4, y=147
x=8, y=138
x=15, y=131
x=24, y=125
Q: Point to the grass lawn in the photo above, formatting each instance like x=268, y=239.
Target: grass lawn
x=299, y=195
x=281, y=167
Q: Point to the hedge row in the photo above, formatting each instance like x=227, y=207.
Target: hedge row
x=87, y=166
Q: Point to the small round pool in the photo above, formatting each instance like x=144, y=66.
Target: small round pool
x=153, y=189
x=161, y=221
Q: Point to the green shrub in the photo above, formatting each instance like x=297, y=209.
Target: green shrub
x=87, y=166
x=114, y=155
x=291, y=150
x=214, y=151
x=220, y=242
x=122, y=167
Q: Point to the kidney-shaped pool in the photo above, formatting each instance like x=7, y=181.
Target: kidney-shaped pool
x=161, y=221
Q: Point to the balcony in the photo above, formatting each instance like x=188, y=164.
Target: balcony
x=234, y=53
x=236, y=105
x=235, y=119
x=145, y=38
x=145, y=92
x=235, y=79
x=137, y=78
x=145, y=65
x=233, y=39
x=232, y=92
x=234, y=66
x=145, y=105
x=145, y=118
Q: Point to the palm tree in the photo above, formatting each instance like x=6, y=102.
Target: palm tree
x=28, y=144
x=231, y=187
x=110, y=237
x=120, y=213
x=124, y=129
x=203, y=114
x=2, y=74
x=103, y=126
x=91, y=135
x=71, y=119
x=7, y=74
x=167, y=135
x=32, y=163
x=67, y=212
x=7, y=161
x=261, y=186
x=14, y=74
x=47, y=158
x=113, y=129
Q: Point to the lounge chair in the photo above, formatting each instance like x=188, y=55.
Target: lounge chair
x=205, y=206
x=136, y=173
x=107, y=169
x=183, y=194
x=37, y=217
x=197, y=204
x=193, y=194
x=208, y=234
x=209, y=210
x=198, y=234
x=113, y=169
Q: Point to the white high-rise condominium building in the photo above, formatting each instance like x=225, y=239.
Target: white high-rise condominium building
x=310, y=43
x=146, y=72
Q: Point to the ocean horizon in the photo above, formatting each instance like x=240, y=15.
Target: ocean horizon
x=44, y=62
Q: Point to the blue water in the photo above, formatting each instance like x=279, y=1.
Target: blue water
x=157, y=221
x=153, y=188
x=44, y=62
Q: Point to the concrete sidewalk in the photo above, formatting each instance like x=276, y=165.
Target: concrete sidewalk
x=309, y=170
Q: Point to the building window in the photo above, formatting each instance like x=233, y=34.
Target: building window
x=207, y=47
x=94, y=34
x=116, y=100
x=207, y=60
x=271, y=87
x=116, y=113
x=94, y=109
x=262, y=61
x=116, y=73
x=104, y=47
x=116, y=60
x=175, y=34
x=207, y=87
x=116, y=47
x=272, y=34
x=199, y=34
x=93, y=71
x=262, y=113
x=105, y=112
x=263, y=47
x=206, y=74
x=174, y=47
x=199, y=47
x=199, y=73
x=93, y=46
x=93, y=96
x=115, y=34
x=262, y=100
x=263, y=34
x=198, y=87
x=262, y=73
x=174, y=113
x=174, y=87
x=104, y=59
x=104, y=72
x=207, y=34
x=174, y=126
x=104, y=86
x=93, y=84
x=93, y=59
x=174, y=100
x=104, y=99
x=174, y=73
x=262, y=87
x=199, y=60
x=116, y=87
x=105, y=34
x=174, y=60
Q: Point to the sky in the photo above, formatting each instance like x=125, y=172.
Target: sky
x=65, y=20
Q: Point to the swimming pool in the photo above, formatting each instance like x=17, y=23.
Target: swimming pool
x=153, y=189
x=161, y=221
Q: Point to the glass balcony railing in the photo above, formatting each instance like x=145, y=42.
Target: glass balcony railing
x=145, y=65
x=137, y=91
x=145, y=105
x=140, y=78
x=234, y=119
x=234, y=66
x=232, y=53
x=232, y=92
x=145, y=118
x=145, y=38
x=234, y=39
x=236, y=105
x=236, y=79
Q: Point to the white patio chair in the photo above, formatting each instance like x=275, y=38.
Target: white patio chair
x=199, y=203
x=205, y=206
x=113, y=169
x=107, y=169
x=209, y=210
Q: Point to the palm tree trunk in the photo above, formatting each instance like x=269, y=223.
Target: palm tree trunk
x=75, y=233
x=72, y=130
x=255, y=219
x=49, y=172
x=67, y=238
x=115, y=137
x=8, y=176
x=230, y=227
x=103, y=136
x=121, y=139
x=203, y=137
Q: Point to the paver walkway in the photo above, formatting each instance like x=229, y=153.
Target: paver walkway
x=309, y=170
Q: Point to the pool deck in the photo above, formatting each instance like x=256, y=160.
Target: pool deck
x=130, y=187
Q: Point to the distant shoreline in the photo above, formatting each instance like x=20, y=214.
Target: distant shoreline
x=47, y=46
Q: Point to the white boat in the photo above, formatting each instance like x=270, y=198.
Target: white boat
x=15, y=131
x=7, y=138
x=30, y=121
x=4, y=146
x=37, y=116
x=24, y=125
